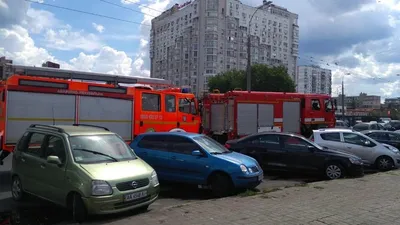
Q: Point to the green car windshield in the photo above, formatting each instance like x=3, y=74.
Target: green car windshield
x=100, y=148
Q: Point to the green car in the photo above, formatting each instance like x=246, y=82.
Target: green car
x=86, y=168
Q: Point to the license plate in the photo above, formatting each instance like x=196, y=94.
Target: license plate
x=134, y=196
x=260, y=177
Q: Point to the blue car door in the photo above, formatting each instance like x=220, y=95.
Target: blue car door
x=153, y=150
x=184, y=166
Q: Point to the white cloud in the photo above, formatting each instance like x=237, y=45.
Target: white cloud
x=39, y=20
x=100, y=28
x=142, y=60
x=108, y=60
x=3, y=4
x=15, y=43
x=66, y=39
x=128, y=2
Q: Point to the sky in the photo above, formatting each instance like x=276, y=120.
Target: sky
x=359, y=40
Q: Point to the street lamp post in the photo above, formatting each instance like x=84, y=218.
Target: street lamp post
x=343, y=114
x=249, y=51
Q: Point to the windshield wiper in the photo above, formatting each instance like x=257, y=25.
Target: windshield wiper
x=96, y=153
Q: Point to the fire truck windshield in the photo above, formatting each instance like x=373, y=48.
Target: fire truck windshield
x=328, y=105
x=187, y=106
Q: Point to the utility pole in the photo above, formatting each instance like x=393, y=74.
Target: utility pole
x=343, y=100
x=249, y=46
x=248, y=63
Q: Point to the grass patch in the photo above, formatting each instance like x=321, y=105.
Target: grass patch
x=394, y=173
x=248, y=193
x=318, y=187
x=269, y=190
x=301, y=185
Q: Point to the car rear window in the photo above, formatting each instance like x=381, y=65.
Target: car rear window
x=331, y=136
x=360, y=127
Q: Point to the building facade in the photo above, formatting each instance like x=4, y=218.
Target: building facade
x=314, y=79
x=361, y=101
x=192, y=42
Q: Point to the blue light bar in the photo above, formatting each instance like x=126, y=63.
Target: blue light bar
x=185, y=90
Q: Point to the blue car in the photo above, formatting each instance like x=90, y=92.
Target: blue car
x=197, y=159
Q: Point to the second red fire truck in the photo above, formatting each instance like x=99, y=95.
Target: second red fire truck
x=240, y=113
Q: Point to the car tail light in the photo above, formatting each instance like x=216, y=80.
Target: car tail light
x=228, y=146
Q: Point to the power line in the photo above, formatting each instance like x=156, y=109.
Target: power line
x=124, y=7
x=88, y=13
x=141, y=5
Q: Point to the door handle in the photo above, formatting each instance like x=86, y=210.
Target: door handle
x=23, y=159
x=141, y=123
x=144, y=153
x=43, y=166
x=173, y=157
x=349, y=147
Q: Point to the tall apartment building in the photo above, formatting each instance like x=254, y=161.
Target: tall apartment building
x=314, y=79
x=191, y=42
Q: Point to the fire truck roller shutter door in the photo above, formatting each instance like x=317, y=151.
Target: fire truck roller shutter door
x=115, y=114
x=218, y=117
x=291, y=117
x=177, y=130
x=26, y=108
x=246, y=118
x=265, y=117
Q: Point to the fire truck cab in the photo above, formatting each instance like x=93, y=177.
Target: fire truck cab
x=36, y=95
x=240, y=113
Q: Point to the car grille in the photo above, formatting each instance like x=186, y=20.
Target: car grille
x=125, y=186
x=254, y=169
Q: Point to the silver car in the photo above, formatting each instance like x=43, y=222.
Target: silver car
x=373, y=153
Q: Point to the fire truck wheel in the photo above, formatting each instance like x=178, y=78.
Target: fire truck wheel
x=16, y=189
x=221, y=185
x=177, y=130
x=79, y=212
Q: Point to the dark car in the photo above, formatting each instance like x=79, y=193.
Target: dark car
x=393, y=125
x=368, y=126
x=290, y=152
x=386, y=137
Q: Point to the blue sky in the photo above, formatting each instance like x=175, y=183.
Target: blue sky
x=359, y=37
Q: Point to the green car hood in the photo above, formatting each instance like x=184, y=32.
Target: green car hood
x=118, y=170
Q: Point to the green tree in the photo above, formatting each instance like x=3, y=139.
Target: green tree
x=264, y=78
x=228, y=81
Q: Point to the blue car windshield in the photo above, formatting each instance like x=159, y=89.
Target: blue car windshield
x=210, y=145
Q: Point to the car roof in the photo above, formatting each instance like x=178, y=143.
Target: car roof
x=71, y=130
x=364, y=123
x=326, y=130
x=376, y=131
x=182, y=134
x=273, y=133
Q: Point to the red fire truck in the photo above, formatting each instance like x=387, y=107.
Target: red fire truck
x=126, y=105
x=240, y=113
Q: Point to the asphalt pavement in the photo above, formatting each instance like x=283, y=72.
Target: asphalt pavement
x=35, y=211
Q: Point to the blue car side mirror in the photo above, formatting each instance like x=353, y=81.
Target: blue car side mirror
x=197, y=153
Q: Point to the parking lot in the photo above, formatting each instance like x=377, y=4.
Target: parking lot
x=40, y=212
